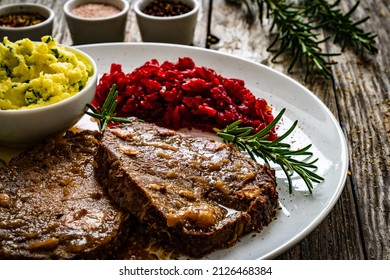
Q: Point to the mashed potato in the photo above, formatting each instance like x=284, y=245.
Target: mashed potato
x=35, y=74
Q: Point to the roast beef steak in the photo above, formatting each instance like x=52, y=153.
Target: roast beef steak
x=194, y=192
x=52, y=207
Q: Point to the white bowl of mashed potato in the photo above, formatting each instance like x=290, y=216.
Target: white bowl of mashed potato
x=44, y=88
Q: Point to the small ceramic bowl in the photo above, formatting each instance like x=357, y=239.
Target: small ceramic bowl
x=33, y=32
x=21, y=128
x=90, y=27
x=178, y=29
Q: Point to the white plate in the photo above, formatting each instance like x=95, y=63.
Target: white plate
x=301, y=212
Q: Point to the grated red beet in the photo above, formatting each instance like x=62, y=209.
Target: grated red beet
x=182, y=95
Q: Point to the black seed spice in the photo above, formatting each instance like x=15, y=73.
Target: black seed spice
x=166, y=8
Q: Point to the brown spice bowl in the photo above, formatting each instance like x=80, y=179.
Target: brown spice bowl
x=89, y=30
x=32, y=32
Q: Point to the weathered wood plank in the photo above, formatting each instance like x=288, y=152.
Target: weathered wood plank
x=363, y=102
x=338, y=237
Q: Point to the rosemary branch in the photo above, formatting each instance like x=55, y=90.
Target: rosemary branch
x=297, y=26
x=277, y=151
x=294, y=34
x=345, y=30
x=106, y=115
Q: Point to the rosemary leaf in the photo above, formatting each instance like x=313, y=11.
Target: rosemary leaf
x=331, y=18
x=256, y=145
x=106, y=115
x=296, y=28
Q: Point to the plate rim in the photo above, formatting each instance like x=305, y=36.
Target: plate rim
x=341, y=182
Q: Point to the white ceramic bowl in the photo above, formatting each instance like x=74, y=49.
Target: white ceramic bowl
x=100, y=29
x=33, y=32
x=25, y=127
x=172, y=29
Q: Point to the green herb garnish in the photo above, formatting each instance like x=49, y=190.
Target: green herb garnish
x=107, y=113
x=345, y=30
x=297, y=27
x=257, y=145
x=55, y=53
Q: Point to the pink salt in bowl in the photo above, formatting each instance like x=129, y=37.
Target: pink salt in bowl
x=96, y=21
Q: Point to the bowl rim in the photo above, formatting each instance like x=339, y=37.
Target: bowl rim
x=138, y=11
x=48, y=20
x=68, y=5
x=92, y=81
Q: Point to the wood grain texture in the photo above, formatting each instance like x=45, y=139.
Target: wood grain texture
x=363, y=104
x=358, y=227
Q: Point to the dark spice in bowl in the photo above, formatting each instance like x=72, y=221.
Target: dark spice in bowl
x=166, y=8
x=21, y=19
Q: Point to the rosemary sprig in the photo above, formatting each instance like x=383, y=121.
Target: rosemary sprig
x=107, y=112
x=294, y=34
x=346, y=31
x=257, y=145
x=296, y=28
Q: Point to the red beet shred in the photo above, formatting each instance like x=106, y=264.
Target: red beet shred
x=182, y=95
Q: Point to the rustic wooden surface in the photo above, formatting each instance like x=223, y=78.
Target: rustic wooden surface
x=358, y=227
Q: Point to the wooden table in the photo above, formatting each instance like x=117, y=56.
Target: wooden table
x=358, y=227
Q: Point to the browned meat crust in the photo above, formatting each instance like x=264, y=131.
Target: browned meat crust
x=196, y=193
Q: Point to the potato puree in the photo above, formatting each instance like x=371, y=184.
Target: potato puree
x=35, y=74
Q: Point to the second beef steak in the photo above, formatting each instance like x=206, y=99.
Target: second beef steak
x=195, y=192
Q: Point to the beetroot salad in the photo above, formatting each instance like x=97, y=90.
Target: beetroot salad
x=183, y=95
